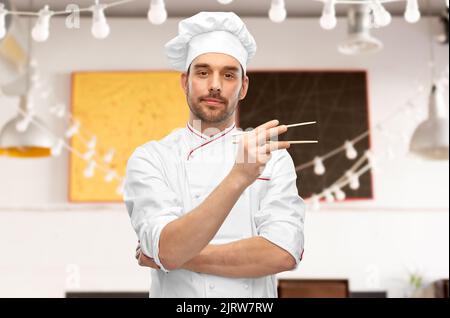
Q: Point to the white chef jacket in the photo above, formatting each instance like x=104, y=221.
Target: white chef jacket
x=168, y=178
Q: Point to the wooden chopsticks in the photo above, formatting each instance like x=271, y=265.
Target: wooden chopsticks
x=293, y=142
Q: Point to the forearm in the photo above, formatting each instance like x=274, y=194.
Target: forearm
x=185, y=237
x=252, y=257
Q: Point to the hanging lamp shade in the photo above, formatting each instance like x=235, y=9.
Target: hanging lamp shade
x=359, y=40
x=430, y=139
x=31, y=143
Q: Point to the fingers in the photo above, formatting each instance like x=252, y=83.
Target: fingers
x=278, y=145
x=265, y=126
x=272, y=146
x=262, y=136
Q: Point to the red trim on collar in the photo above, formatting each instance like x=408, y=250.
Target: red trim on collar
x=265, y=179
x=194, y=132
x=209, y=141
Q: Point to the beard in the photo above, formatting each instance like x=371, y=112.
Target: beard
x=211, y=114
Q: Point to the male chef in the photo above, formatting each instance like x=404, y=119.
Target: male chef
x=216, y=211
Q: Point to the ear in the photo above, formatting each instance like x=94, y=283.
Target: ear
x=184, y=82
x=244, y=88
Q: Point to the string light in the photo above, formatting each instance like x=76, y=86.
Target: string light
x=382, y=17
x=110, y=176
x=328, y=19
x=89, y=154
x=73, y=129
x=224, y=1
x=121, y=187
x=41, y=30
x=90, y=169
x=157, y=13
x=109, y=156
x=412, y=12
x=353, y=180
x=3, y=13
x=329, y=198
x=100, y=28
x=338, y=193
x=58, y=110
x=277, y=12
x=92, y=143
x=350, y=151
x=57, y=148
x=319, y=168
x=315, y=202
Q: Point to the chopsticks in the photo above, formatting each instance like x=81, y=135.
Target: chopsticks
x=293, y=142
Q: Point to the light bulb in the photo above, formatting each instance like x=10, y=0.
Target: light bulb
x=109, y=156
x=73, y=130
x=371, y=160
x=110, y=176
x=58, y=110
x=90, y=169
x=319, y=168
x=3, y=13
x=41, y=30
x=100, y=28
x=157, y=13
x=381, y=15
x=328, y=19
x=88, y=154
x=315, y=205
x=277, y=12
x=412, y=12
x=224, y=1
x=120, y=188
x=354, y=183
x=57, y=148
x=92, y=143
x=329, y=198
x=338, y=193
x=353, y=179
x=350, y=151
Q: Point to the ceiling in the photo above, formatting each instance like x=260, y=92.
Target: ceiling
x=183, y=8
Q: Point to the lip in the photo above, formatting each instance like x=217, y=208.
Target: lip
x=212, y=101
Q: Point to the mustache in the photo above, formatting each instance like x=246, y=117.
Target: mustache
x=215, y=96
x=220, y=98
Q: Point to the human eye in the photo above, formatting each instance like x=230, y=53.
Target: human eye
x=229, y=76
x=202, y=73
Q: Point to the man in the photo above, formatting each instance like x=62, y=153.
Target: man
x=217, y=215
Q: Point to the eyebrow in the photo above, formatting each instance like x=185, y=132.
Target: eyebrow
x=228, y=68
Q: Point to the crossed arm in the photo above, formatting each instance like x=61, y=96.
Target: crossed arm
x=252, y=257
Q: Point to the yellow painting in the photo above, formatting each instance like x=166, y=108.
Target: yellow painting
x=122, y=110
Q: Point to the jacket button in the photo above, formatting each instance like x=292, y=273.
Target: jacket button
x=211, y=286
x=246, y=286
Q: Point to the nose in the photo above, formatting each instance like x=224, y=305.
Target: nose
x=215, y=85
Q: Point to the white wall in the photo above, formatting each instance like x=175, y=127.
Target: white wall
x=48, y=247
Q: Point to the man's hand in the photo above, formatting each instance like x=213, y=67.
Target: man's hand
x=143, y=260
x=255, y=150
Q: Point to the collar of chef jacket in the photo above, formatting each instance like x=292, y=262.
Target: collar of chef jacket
x=211, y=148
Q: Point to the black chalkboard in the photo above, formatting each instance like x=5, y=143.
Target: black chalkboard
x=337, y=100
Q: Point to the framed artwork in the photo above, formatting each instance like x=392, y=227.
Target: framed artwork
x=337, y=100
x=122, y=110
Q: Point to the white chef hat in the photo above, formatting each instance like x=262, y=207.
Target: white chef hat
x=210, y=32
